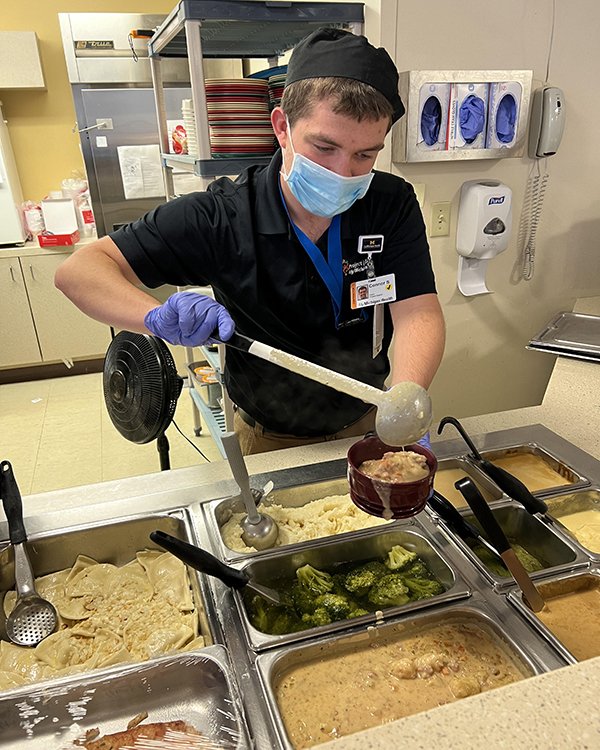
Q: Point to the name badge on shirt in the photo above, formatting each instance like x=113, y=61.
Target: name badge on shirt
x=370, y=243
x=374, y=291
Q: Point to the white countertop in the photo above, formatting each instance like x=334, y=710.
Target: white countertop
x=556, y=710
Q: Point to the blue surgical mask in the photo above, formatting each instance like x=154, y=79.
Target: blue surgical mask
x=321, y=191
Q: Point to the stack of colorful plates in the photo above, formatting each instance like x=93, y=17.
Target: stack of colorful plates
x=189, y=123
x=276, y=84
x=238, y=117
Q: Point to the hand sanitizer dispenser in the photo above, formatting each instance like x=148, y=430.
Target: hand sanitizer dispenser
x=483, y=231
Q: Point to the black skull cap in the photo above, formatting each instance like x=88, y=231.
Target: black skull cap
x=330, y=52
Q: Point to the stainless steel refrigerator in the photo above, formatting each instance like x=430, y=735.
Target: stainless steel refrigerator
x=115, y=109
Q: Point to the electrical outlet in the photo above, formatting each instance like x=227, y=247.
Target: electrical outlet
x=440, y=219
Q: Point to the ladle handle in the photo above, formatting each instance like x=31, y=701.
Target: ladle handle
x=200, y=559
x=336, y=380
x=514, y=487
x=464, y=435
x=13, y=505
x=231, y=446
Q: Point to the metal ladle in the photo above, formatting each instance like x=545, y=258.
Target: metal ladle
x=404, y=413
x=32, y=618
x=258, y=529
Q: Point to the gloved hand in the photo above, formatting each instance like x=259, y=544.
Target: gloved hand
x=425, y=441
x=189, y=319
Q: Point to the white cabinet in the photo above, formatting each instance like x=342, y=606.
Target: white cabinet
x=19, y=339
x=40, y=324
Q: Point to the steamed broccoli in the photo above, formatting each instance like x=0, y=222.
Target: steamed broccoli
x=417, y=569
x=286, y=621
x=399, y=558
x=422, y=588
x=316, y=581
x=359, y=580
x=259, y=612
x=319, y=617
x=337, y=605
x=358, y=612
x=303, y=600
x=389, y=591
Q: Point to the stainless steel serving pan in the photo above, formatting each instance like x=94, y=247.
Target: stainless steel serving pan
x=516, y=600
x=197, y=687
x=113, y=542
x=217, y=512
x=325, y=554
x=539, y=538
x=460, y=467
x=554, y=461
x=534, y=656
x=572, y=502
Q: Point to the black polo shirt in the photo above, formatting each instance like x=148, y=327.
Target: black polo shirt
x=237, y=238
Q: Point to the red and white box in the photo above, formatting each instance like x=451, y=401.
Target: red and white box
x=47, y=239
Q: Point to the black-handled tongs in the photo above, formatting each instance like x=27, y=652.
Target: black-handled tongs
x=508, y=483
x=483, y=513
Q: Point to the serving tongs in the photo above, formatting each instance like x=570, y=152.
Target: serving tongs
x=508, y=483
x=483, y=513
x=201, y=560
x=456, y=522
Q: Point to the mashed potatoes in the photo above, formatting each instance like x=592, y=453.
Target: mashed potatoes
x=396, y=466
x=336, y=514
x=107, y=615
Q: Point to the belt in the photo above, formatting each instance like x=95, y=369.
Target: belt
x=245, y=417
x=251, y=422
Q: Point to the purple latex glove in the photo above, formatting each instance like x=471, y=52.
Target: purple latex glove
x=425, y=441
x=190, y=319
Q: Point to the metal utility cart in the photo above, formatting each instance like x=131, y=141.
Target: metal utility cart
x=198, y=29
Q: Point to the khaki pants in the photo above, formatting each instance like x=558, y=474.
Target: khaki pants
x=257, y=440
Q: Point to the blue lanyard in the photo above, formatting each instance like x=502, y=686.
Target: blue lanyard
x=329, y=270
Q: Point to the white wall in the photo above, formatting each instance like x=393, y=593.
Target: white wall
x=486, y=366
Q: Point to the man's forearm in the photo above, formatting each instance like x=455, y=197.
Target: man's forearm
x=419, y=339
x=102, y=286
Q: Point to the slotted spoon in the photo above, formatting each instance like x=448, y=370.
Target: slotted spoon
x=33, y=618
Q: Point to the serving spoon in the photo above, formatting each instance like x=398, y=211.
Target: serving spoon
x=259, y=530
x=404, y=412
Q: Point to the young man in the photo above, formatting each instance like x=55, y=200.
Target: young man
x=283, y=248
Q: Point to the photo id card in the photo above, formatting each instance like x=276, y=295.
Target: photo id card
x=374, y=291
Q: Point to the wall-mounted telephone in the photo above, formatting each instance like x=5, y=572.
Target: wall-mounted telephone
x=547, y=122
x=546, y=129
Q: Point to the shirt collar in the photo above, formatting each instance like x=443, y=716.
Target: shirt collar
x=271, y=216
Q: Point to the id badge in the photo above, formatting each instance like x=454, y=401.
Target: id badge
x=375, y=291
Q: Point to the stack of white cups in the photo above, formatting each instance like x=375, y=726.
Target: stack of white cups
x=187, y=111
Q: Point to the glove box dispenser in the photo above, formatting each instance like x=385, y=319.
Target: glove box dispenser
x=466, y=114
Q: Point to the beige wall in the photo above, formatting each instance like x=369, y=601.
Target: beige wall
x=40, y=122
x=486, y=366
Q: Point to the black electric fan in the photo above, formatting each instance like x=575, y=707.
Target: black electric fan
x=141, y=388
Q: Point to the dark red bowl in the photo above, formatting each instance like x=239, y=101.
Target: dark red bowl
x=399, y=499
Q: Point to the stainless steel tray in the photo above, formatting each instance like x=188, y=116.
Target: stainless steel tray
x=460, y=467
x=570, y=334
x=290, y=492
x=538, y=537
x=572, y=502
x=556, y=462
x=515, y=598
x=534, y=655
x=197, y=687
x=364, y=545
x=115, y=542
